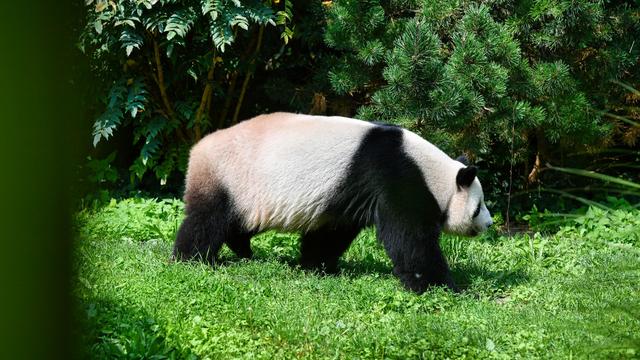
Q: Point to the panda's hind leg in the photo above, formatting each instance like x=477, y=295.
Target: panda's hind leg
x=205, y=228
x=239, y=242
x=321, y=248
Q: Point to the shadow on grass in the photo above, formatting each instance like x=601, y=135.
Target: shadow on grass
x=230, y=259
x=356, y=268
x=284, y=248
x=106, y=330
x=465, y=275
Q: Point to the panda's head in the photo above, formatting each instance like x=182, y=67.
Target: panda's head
x=467, y=213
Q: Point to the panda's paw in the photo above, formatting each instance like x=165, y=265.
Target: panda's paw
x=413, y=281
x=420, y=282
x=453, y=287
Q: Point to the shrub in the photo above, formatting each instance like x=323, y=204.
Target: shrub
x=175, y=70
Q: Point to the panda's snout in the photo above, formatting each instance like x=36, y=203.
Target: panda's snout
x=481, y=227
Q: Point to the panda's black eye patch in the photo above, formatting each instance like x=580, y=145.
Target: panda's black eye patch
x=477, y=212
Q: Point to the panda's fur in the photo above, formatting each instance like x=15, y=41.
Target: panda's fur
x=327, y=178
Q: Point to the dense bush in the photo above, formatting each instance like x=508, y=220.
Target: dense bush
x=176, y=70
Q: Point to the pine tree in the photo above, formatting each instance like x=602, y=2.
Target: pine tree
x=502, y=81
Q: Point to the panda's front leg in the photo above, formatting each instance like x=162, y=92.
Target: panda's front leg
x=417, y=259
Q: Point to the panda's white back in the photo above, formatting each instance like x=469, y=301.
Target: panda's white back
x=281, y=169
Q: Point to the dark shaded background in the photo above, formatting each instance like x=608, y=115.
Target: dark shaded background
x=39, y=143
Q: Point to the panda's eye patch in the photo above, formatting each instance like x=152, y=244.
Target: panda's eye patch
x=477, y=212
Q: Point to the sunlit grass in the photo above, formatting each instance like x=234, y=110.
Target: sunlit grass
x=571, y=294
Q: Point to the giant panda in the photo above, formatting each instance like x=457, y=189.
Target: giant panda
x=327, y=178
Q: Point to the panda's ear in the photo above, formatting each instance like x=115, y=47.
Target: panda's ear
x=463, y=159
x=466, y=175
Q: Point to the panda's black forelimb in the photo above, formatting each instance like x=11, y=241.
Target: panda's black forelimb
x=417, y=259
x=321, y=248
x=406, y=213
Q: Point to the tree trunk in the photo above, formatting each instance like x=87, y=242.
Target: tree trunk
x=250, y=71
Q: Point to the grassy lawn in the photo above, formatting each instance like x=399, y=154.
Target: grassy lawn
x=573, y=294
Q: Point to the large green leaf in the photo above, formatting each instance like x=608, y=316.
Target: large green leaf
x=180, y=23
x=108, y=121
x=595, y=175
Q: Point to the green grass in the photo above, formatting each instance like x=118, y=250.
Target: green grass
x=574, y=294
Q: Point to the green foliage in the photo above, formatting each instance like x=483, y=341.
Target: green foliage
x=135, y=219
x=507, y=83
x=613, y=208
x=112, y=117
x=619, y=225
x=169, y=68
x=284, y=18
x=101, y=170
x=572, y=294
x=601, y=190
x=501, y=81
